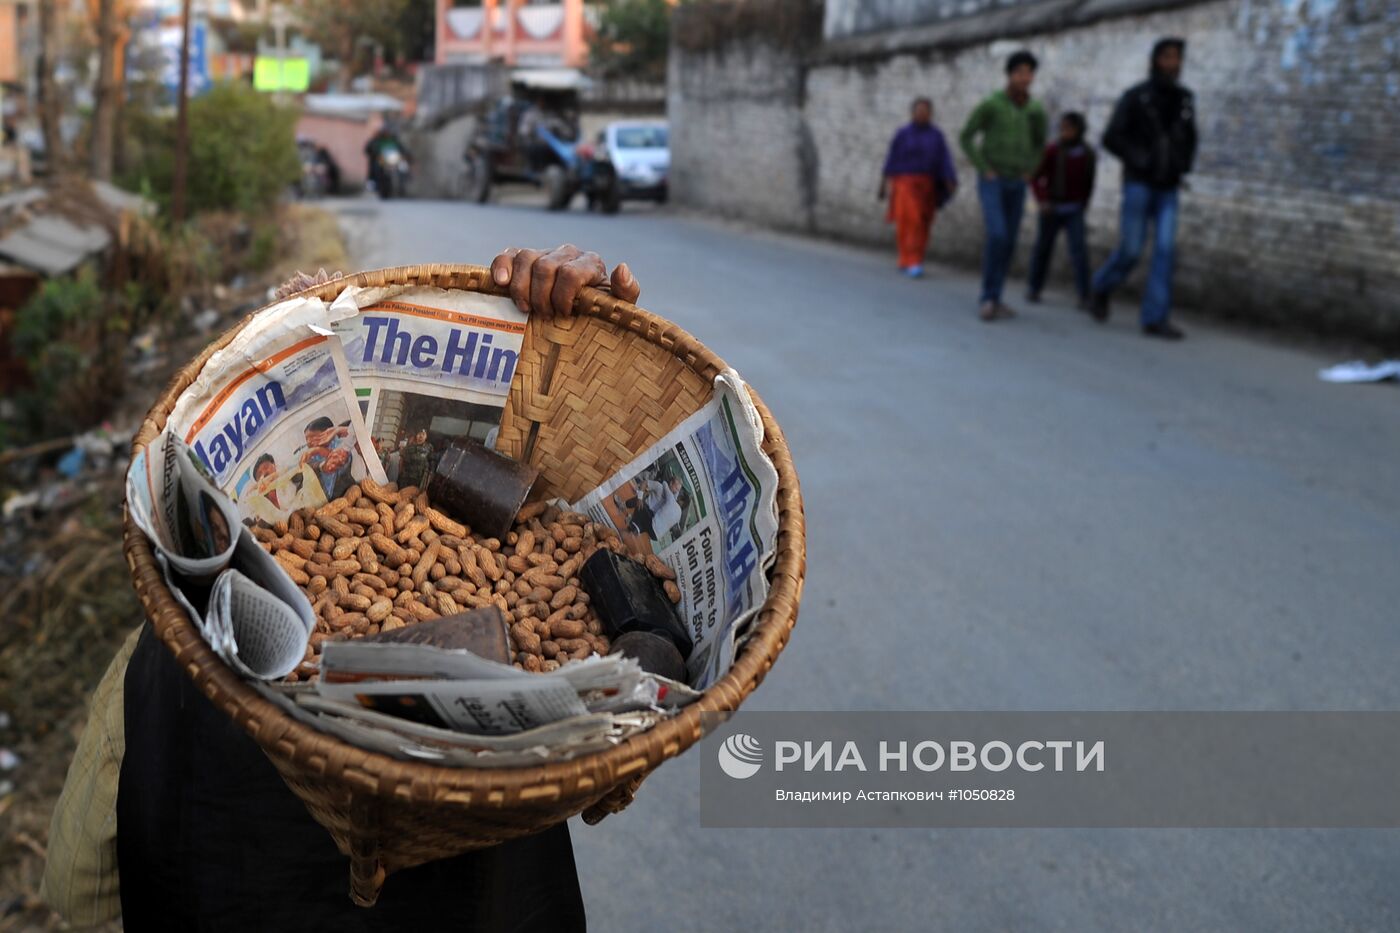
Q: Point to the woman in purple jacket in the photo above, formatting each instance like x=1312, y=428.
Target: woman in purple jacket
x=918, y=178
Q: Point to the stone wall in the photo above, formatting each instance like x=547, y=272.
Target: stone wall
x=1293, y=213
x=739, y=144
x=859, y=17
x=439, y=169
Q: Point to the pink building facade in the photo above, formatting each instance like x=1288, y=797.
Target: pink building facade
x=518, y=32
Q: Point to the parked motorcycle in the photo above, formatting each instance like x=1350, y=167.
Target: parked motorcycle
x=319, y=175
x=392, y=173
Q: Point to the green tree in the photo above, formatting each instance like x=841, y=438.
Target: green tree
x=340, y=25
x=71, y=335
x=242, y=151
x=417, y=30
x=631, y=40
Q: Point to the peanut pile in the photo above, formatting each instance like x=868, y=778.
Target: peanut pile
x=379, y=558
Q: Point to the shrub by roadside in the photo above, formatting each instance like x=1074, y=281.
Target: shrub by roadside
x=66, y=600
x=242, y=152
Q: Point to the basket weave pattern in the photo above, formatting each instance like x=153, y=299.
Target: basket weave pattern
x=591, y=392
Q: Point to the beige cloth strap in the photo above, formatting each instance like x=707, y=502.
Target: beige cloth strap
x=80, y=878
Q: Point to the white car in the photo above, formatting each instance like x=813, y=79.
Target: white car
x=641, y=156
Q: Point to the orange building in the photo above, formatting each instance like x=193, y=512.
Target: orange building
x=16, y=43
x=518, y=32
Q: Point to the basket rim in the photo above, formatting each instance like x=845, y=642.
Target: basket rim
x=582, y=779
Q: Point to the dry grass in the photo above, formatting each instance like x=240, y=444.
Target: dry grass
x=61, y=623
x=316, y=243
x=60, y=627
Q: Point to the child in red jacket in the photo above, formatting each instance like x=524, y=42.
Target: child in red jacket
x=1063, y=183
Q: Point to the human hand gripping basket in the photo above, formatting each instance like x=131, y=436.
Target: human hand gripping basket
x=591, y=392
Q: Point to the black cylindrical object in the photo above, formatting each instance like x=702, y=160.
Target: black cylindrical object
x=479, y=487
x=655, y=653
x=628, y=599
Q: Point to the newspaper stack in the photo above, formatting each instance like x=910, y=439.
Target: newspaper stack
x=421, y=702
x=310, y=398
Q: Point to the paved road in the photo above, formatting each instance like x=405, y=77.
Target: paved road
x=1038, y=515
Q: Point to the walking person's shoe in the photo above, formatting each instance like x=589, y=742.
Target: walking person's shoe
x=1032, y=297
x=1098, y=306
x=914, y=272
x=1004, y=311
x=987, y=311
x=1163, y=330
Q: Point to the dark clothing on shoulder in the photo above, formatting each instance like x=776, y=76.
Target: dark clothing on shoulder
x=1065, y=176
x=1153, y=132
x=210, y=839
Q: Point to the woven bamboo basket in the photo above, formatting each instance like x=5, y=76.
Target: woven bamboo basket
x=591, y=391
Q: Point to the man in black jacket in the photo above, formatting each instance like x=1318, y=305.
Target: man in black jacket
x=1153, y=133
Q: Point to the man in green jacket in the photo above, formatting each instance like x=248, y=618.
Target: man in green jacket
x=1003, y=139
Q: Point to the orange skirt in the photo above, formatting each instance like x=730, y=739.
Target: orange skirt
x=912, y=209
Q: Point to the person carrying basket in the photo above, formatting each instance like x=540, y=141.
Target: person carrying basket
x=206, y=834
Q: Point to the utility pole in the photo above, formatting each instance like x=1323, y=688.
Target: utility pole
x=280, y=21
x=50, y=108
x=182, y=126
x=106, y=102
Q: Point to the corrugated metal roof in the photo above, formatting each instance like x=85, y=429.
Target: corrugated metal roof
x=120, y=200
x=350, y=105
x=13, y=199
x=53, y=245
x=39, y=237
x=551, y=79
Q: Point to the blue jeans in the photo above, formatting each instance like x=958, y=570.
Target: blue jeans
x=1003, y=201
x=1050, y=223
x=1141, y=205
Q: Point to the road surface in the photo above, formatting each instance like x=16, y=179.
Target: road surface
x=1041, y=514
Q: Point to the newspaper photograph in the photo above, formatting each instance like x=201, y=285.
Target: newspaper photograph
x=430, y=367
x=703, y=500
x=272, y=416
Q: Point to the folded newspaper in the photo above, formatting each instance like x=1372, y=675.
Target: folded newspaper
x=246, y=607
x=310, y=398
x=703, y=500
x=421, y=702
